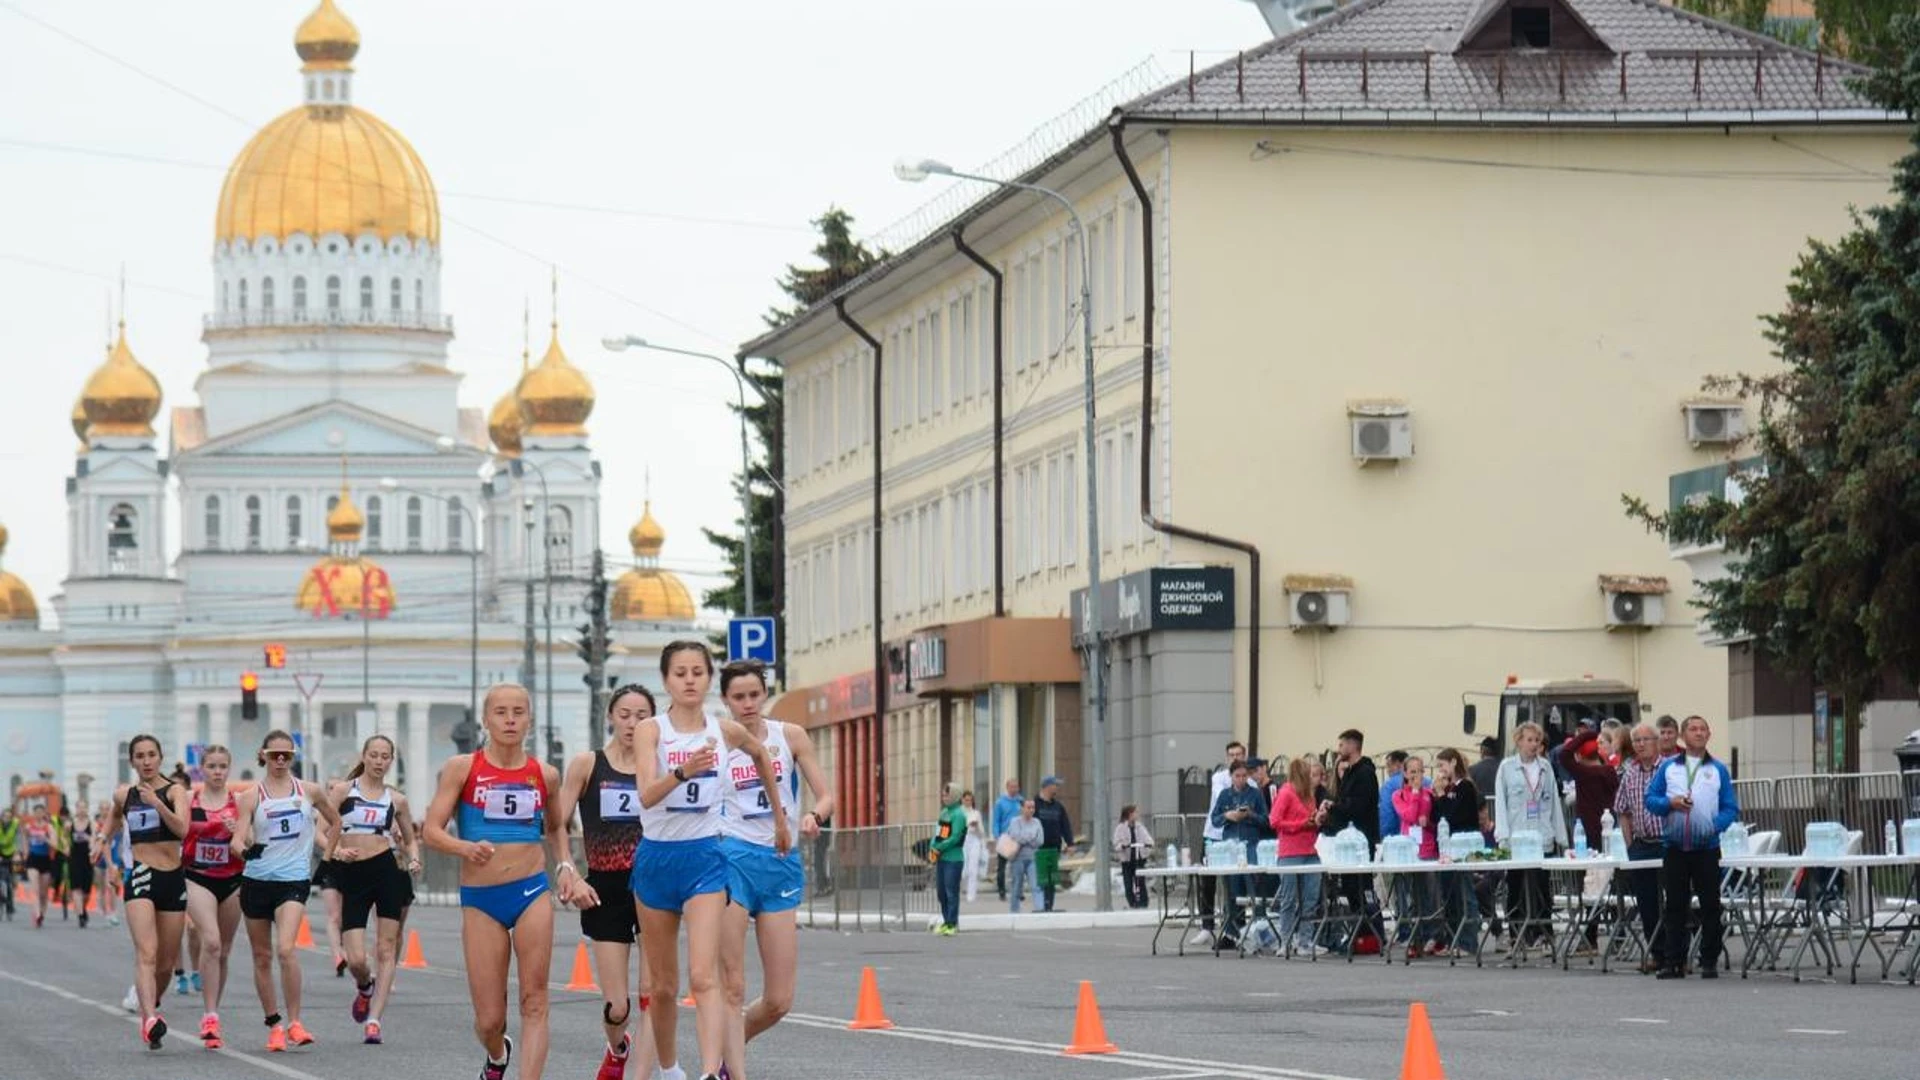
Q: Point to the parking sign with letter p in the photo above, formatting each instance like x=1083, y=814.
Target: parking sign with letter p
x=752, y=639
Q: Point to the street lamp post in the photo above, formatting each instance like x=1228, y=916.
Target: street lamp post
x=915, y=172
x=388, y=483
x=519, y=466
x=620, y=344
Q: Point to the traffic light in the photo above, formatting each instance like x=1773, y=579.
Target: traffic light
x=276, y=656
x=249, y=696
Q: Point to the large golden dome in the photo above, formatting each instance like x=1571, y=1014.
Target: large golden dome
x=327, y=166
x=555, y=397
x=647, y=593
x=16, y=600
x=121, y=397
x=340, y=584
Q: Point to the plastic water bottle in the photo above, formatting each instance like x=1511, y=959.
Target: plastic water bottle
x=1579, y=840
x=1446, y=833
x=1606, y=833
x=1173, y=855
x=1893, y=839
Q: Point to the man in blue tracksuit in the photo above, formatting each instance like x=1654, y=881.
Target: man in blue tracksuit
x=1005, y=809
x=1693, y=794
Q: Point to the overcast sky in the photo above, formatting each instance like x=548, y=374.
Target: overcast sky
x=693, y=142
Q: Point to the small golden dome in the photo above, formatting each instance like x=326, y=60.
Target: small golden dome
x=555, y=397
x=505, y=425
x=16, y=600
x=344, y=584
x=121, y=397
x=327, y=39
x=344, y=521
x=646, y=536
x=647, y=593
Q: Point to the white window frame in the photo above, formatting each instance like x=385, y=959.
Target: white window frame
x=1056, y=294
x=1130, y=270
x=1129, y=524
x=1053, y=504
x=983, y=340
x=1070, y=311
x=1070, y=506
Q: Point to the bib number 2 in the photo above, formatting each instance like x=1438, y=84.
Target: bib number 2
x=619, y=804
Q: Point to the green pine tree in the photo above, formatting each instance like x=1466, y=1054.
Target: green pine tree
x=842, y=259
x=1825, y=545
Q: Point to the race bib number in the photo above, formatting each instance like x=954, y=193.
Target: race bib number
x=211, y=853
x=141, y=818
x=619, y=803
x=510, y=804
x=288, y=824
x=370, y=816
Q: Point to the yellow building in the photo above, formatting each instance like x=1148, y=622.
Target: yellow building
x=1388, y=315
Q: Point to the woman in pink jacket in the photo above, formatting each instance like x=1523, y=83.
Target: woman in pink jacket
x=1414, y=894
x=1296, y=822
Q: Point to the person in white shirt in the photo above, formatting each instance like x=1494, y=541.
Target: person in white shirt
x=1222, y=780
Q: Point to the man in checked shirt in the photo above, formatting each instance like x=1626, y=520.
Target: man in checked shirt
x=1643, y=833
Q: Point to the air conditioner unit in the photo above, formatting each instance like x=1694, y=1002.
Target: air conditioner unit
x=1381, y=431
x=1633, y=602
x=1715, y=423
x=1318, y=602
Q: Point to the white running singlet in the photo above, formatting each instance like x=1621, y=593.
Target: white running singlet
x=689, y=810
x=749, y=813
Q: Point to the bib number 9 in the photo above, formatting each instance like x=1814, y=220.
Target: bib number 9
x=693, y=792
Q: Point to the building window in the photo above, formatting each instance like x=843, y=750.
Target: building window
x=211, y=523
x=1532, y=27
x=393, y=296
x=1053, y=503
x=1107, y=494
x=983, y=336
x=253, y=523
x=1057, y=275
x=373, y=521
x=299, y=296
x=294, y=532
x=266, y=295
x=1036, y=307
x=243, y=295
x=560, y=539
x=333, y=294
x=1070, y=513
x=936, y=380
x=419, y=295
x=456, y=518
x=366, y=295
x=1130, y=261
x=413, y=523
x=123, y=540
x=226, y=296
x=959, y=367
x=1129, y=485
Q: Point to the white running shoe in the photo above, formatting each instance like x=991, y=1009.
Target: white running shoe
x=131, y=1002
x=1201, y=937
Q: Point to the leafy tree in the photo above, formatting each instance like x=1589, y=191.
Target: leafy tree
x=1858, y=30
x=842, y=259
x=1824, y=574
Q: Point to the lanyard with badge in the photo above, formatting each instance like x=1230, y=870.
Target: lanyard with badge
x=1535, y=808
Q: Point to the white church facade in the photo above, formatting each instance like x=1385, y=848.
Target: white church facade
x=334, y=498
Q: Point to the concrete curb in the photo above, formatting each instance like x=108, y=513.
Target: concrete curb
x=1025, y=922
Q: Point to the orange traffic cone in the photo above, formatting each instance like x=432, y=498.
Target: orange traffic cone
x=1089, y=1033
x=305, y=940
x=415, y=957
x=582, y=970
x=868, y=1014
x=1422, y=1058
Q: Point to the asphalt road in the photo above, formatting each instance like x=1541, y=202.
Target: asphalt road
x=1001, y=1005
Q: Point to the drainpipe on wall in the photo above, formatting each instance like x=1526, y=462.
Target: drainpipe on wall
x=879, y=598
x=1116, y=127
x=999, y=431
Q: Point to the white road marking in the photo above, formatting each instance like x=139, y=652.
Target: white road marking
x=1177, y=1076
x=120, y=1014
x=1492, y=1012
x=1642, y=1020
x=977, y=1041
x=1814, y=1031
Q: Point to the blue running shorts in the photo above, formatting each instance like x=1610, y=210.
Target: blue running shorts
x=760, y=880
x=668, y=873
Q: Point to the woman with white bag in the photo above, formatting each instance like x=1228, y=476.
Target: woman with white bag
x=974, y=849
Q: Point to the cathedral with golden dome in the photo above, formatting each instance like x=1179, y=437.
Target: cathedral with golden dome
x=332, y=495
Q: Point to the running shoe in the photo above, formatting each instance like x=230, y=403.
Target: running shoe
x=363, y=1003
x=373, y=1033
x=194, y=981
x=497, y=1070
x=131, y=1002
x=339, y=966
x=276, y=1038
x=613, y=1063
x=38, y=919
x=210, y=1032
x=299, y=1034
x=153, y=1029
x=180, y=982
x=112, y=920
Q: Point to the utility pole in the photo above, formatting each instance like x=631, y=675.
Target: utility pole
x=527, y=669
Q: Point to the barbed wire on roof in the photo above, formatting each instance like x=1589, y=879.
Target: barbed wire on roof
x=1041, y=143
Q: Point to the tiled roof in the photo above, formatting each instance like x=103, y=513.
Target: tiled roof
x=1398, y=59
